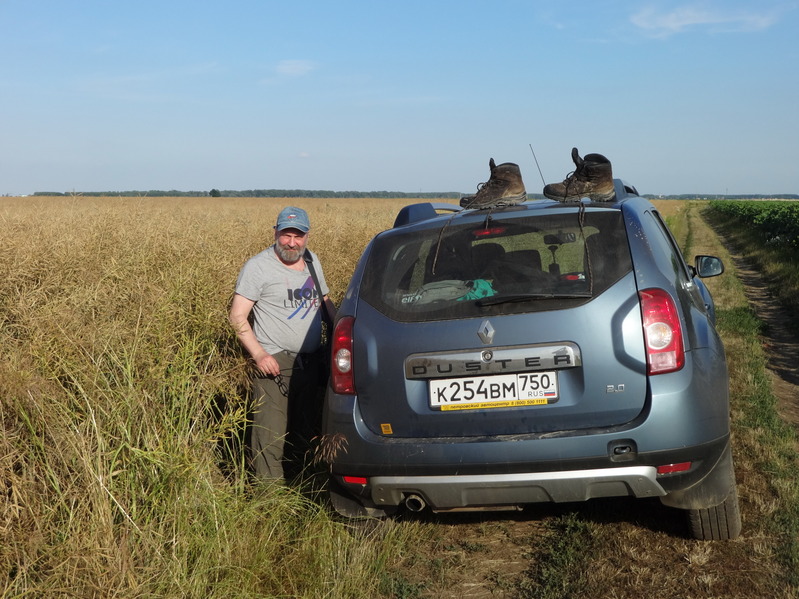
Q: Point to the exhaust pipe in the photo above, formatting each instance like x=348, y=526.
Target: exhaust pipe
x=415, y=503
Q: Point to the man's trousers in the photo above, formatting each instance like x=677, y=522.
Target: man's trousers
x=286, y=415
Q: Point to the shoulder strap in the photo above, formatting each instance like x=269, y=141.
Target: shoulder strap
x=309, y=261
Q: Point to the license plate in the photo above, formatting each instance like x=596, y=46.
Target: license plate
x=497, y=391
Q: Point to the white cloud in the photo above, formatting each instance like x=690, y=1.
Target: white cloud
x=667, y=22
x=295, y=68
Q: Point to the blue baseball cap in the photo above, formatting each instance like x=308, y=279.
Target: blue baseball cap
x=293, y=218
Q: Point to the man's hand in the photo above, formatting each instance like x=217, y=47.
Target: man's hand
x=267, y=365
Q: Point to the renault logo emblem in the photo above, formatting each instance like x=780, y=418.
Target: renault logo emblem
x=486, y=332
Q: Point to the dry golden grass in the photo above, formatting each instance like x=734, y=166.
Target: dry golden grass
x=122, y=402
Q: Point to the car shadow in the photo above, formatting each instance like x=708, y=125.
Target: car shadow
x=648, y=514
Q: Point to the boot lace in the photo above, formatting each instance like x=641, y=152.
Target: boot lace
x=572, y=176
x=489, y=184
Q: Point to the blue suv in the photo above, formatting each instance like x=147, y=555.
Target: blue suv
x=542, y=352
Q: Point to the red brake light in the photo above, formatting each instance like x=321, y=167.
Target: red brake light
x=662, y=332
x=488, y=232
x=341, y=375
x=355, y=480
x=673, y=468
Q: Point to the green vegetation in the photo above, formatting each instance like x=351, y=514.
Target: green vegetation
x=758, y=425
x=767, y=233
x=559, y=570
x=776, y=223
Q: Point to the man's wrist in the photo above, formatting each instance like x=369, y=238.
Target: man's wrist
x=257, y=358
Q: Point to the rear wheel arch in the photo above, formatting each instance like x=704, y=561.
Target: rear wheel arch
x=711, y=505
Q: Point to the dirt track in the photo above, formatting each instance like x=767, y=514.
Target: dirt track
x=779, y=341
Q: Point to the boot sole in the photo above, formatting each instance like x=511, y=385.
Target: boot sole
x=500, y=203
x=594, y=197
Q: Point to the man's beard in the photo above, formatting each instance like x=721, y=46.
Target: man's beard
x=287, y=255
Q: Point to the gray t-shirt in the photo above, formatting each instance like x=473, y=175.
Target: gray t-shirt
x=286, y=315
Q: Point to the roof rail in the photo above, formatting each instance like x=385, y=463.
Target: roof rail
x=423, y=211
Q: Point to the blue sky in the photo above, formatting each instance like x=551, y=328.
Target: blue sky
x=681, y=96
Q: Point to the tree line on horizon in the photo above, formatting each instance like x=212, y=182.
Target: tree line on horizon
x=260, y=193
x=327, y=194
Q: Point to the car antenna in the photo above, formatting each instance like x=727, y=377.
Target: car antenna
x=536, y=164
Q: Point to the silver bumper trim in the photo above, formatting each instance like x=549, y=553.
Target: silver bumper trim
x=454, y=491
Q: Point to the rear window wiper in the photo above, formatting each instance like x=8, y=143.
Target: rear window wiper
x=527, y=297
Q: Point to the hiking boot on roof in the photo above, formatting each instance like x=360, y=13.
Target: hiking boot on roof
x=503, y=188
x=593, y=178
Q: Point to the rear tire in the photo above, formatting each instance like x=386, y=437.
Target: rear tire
x=718, y=523
x=721, y=522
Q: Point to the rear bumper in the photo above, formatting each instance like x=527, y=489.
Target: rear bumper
x=574, y=481
x=460, y=491
x=451, y=473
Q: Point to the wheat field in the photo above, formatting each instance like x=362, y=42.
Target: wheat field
x=123, y=401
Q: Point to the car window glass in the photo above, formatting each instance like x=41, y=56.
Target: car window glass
x=440, y=272
x=669, y=257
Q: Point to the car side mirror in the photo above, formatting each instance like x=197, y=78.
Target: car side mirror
x=708, y=266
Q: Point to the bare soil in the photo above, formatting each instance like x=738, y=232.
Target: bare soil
x=779, y=341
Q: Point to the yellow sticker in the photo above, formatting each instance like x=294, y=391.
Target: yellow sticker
x=541, y=401
x=386, y=429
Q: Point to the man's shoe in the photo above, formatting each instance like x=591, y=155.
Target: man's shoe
x=503, y=188
x=593, y=178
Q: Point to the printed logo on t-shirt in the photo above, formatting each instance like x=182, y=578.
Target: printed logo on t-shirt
x=304, y=300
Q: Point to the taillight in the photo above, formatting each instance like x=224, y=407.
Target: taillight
x=662, y=332
x=674, y=468
x=355, y=480
x=341, y=376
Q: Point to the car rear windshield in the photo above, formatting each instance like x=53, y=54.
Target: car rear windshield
x=496, y=266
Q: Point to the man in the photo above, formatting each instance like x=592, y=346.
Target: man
x=277, y=289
